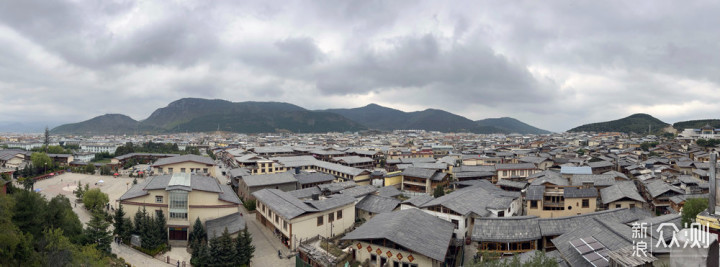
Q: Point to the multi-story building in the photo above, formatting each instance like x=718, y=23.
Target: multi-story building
x=550, y=201
x=295, y=220
x=185, y=164
x=182, y=198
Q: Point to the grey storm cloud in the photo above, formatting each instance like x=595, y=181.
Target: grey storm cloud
x=553, y=64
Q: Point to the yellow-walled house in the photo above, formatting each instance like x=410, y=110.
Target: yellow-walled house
x=621, y=195
x=185, y=164
x=182, y=198
x=296, y=220
x=402, y=238
x=559, y=201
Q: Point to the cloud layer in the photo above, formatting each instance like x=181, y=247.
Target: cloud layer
x=552, y=64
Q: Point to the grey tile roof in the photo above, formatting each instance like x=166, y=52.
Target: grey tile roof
x=687, y=179
x=575, y=170
x=506, y=229
x=600, y=164
x=184, y=158
x=419, y=172
x=532, y=159
x=473, y=174
x=680, y=198
x=388, y=191
x=305, y=193
x=658, y=187
x=515, y=166
x=413, y=229
x=513, y=184
x=574, y=192
x=377, y=204
x=654, y=223
x=353, y=159
x=314, y=177
x=535, y=192
x=558, y=226
x=479, y=168
x=477, y=199
x=239, y=172
x=234, y=223
x=617, y=174
x=283, y=203
x=332, y=202
x=430, y=165
x=336, y=187
x=622, y=190
x=359, y=191
x=130, y=155
x=229, y=195
x=419, y=200
x=269, y=179
x=595, y=179
x=197, y=182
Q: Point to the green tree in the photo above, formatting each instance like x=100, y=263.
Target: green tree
x=120, y=226
x=90, y=168
x=79, y=191
x=105, y=170
x=439, y=191
x=692, y=208
x=29, y=213
x=97, y=231
x=223, y=250
x=57, y=249
x=15, y=247
x=204, y=258
x=245, y=248
x=95, y=200
x=250, y=205
x=28, y=183
x=47, y=137
x=41, y=162
x=61, y=216
x=198, y=233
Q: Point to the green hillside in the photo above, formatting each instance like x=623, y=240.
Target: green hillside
x=696, y=124
x=636, y=123
x=511, y=125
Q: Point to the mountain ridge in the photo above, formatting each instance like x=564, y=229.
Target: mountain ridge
x=635, y=123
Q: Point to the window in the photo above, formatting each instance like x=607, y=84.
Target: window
x=277, y=219
x=319, y=220
x=158, y=199
x=285, y=225
x=533, y=204
x=331, y=217
x=501, y=213
x=569, y=207
x=632, y=206
x=160, y=169
x=182, y=170
x=178, y=204
x=339, y=214
x=170, y=170
x=205, y=170
x=585, y=203
x=617, y=206
x=456, y=222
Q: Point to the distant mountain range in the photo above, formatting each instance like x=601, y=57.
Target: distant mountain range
x=636, y=123
x=205, y=115
x=383, y=118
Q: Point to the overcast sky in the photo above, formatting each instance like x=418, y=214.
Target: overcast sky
x=552, y=64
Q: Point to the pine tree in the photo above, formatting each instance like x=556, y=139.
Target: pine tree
x=161, y=234
x=244, y=247
x=119, y=224
x=97, y=232
x=47, y=139
x=214, y=251
x=204, y=257
x=137, y=221
x=198, y=232
x=225, y=253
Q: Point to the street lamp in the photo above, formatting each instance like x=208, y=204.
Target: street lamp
x=45, y=167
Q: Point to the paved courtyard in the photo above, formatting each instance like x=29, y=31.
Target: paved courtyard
x=266, y=245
